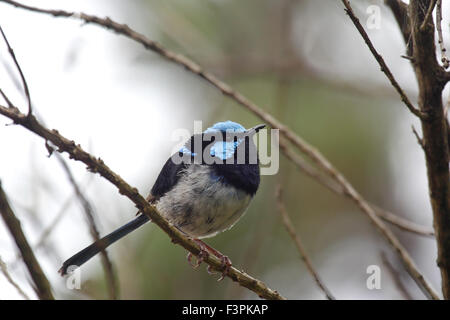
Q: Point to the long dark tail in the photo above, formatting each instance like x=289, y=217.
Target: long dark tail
x=87, y=253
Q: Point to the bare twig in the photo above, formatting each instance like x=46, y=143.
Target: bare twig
x=5, y=97
x=395, y=276
x=48, y=230
x=384, y=68
x=111, y=280
x=302, y=145
x=428, y=15
x=42, y=286
x=4, y=270
x=444, y=59
x=97, y=165
x=390, y=217
x=24, y=81
x=419, y=139
x=298, y=243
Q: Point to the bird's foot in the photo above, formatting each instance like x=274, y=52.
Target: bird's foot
x=226, y=263
x=200, y=257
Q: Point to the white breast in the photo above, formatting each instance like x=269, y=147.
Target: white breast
x=201, y=206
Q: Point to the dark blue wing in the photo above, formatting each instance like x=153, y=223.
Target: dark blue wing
x=167, y=178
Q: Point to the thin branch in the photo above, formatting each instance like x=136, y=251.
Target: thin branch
x=4, y=270
x=390, y=217
x=5, y=97
x=444, y=59
x=428, y=15
x=302, y=145
x=111, y=280
x=404, y=224
x=298, y=243
x=419, y=139
x=52, y=225
x=384, y=68
x=96, y=165
x=395, y=276
x=24, y=81
x=42, y=286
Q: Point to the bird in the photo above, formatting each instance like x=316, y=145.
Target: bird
x=202, y=190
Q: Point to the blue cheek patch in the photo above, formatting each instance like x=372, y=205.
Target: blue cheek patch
x=223, y=149
x=187, y=151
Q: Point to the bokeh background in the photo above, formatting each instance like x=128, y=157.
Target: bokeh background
x=302, y=61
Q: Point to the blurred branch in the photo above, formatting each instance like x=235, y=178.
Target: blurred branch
x=111, y=280
x=384, y=68
x=52, y=225
x=4, y=270
x=96, y=165
x=444, y=59
x=297, y=141
x=43, y=289
x=399, y=222
x=395, y=276
x=432, y=78
x=400, y=11
x=24, y=81
x=428, y=16
x=107, y=265
x=298, y=243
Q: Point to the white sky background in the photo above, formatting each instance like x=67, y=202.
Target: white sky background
x=84, y=83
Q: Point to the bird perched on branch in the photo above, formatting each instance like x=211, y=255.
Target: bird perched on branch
x=202, y=190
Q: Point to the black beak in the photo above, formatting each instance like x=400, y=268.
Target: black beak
x=255, y=129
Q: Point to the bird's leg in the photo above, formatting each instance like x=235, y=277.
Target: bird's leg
x=202, y=254
x=226, y=262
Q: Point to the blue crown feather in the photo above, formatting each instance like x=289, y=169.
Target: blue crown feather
x=226, y=126
x=221, y=149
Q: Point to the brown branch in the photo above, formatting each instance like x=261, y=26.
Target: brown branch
x=298, y=243
x=4, y=270
x=400, y=11
x=24, y=81
x=399, y=222
x=96, y=165
x=5, y=97
x=419, y=139
x=384, y=68
x=302, y=145
x=42, y=286
x=111, y=280
x=434, y=131
x=444, y=59
x=428, y=16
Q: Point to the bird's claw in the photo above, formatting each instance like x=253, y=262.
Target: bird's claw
x=200, y=257
x=226, y=264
